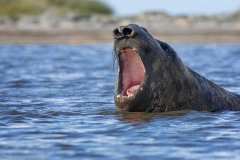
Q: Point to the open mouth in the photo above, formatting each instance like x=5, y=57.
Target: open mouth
x=131, y=72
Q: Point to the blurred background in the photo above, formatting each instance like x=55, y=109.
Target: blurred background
x=90, y=21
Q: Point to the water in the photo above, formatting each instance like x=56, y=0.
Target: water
x=56, y=102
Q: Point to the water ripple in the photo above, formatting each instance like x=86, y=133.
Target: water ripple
x=58, y=100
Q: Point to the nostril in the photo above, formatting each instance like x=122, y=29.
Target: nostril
x=116, y=32
x=123, y=32
x=126, y=31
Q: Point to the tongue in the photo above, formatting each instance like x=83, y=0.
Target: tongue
x=131, y=90
x=132, y=71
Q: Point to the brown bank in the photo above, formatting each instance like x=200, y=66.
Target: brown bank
x=104, y=36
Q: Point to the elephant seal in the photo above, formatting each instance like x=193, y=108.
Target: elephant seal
x=152, y=78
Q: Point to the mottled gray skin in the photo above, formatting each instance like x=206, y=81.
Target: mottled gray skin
x=168, y=84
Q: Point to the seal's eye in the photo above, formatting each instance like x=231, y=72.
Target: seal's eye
x=165, y=47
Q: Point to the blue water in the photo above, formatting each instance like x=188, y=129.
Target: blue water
x=56, y=103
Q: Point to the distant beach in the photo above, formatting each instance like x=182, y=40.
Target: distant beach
x=48, y=28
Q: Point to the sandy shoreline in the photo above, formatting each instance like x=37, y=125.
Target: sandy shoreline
x=50, y=28
x=105, y=36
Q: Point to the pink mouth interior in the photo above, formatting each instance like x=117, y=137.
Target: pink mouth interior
x=132, y=71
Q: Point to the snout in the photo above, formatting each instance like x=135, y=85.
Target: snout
x=123, y=32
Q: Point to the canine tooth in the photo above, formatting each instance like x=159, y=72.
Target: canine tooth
x=130, y=96
x=119, y=96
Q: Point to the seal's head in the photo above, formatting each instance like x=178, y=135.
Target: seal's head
x=151, y=77
x=142, y=63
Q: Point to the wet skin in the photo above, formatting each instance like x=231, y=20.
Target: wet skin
x=152, y=78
